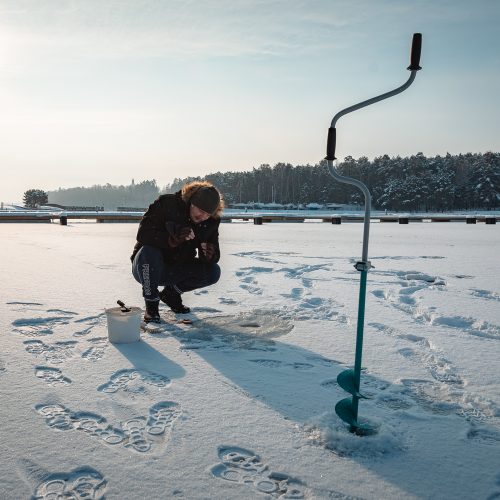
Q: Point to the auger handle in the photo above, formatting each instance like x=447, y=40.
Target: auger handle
x=416, y=49
x=331, y=143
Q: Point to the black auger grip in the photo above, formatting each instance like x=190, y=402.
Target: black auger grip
x=331, y=144
x=416, y=48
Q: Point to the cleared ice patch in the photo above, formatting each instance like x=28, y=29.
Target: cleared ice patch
x=264, y=323
x=249, y=330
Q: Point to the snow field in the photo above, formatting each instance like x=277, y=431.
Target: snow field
x=240, y=404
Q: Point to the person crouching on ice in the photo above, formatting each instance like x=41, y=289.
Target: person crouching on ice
x=178, y=247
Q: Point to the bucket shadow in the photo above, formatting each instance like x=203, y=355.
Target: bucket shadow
x=145, y=357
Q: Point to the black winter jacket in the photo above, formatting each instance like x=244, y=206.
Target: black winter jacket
x=164, y=217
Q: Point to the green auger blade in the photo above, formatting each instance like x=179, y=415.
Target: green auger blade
x=344, y=410
x=346, y=380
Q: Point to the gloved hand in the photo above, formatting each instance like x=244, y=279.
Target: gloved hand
x=208, y=250
x=180, y=236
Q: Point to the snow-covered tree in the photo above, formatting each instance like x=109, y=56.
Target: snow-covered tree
x=33, y=198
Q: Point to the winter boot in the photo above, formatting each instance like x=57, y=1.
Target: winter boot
x=152, y=314
x=173, y=300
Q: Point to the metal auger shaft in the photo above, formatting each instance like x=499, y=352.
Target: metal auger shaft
x=349, y=380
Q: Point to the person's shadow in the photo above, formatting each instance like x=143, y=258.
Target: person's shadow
x=298, y=383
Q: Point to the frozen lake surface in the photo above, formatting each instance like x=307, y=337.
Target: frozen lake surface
x=241, y=403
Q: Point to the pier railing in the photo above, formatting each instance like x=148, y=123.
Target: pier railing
x=256, y=218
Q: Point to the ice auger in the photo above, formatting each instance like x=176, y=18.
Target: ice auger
x=349, y=380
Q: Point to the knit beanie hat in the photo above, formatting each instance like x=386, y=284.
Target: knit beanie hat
x=206, y=198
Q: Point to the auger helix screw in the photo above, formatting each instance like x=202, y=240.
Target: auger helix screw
x=349, y=380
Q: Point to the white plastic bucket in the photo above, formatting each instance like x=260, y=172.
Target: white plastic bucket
x=124, y=327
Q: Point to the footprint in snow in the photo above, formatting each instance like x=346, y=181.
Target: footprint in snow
x=205, y=310
x=405, y=302
x=98, y=348
x=329, y=383
x=38, y=327
x=371, y=385
x=320, y=360
x=484, y=435
x=142, y=433
x=52, y=376
x=226, y=300
x=260, y=255
x=408, y=257
x=439, y=367
x=80, y=483
x=485, y=294
x=295, y=293
x=24, y=304
x=267, y=363
x=430, y=396
x=247, y=277
x=469, y=325
x=62, y=311
x=55, y=353
x=393, y=402
x=274, y=363
x=393, y=332
x=131, y=383
x=89, y=323
x=255, y=290
x=301, y=270
x=244, y=467
x=417, y=276
x=446, y=394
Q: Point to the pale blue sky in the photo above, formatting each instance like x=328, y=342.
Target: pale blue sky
x=97, y=91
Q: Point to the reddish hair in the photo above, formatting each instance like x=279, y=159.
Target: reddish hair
x=190, y=188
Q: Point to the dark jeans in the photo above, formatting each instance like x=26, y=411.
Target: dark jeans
x=151, y=271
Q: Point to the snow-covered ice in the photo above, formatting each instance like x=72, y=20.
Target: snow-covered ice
x=240, y=404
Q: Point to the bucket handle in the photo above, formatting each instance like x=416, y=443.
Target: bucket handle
x=123, y=307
